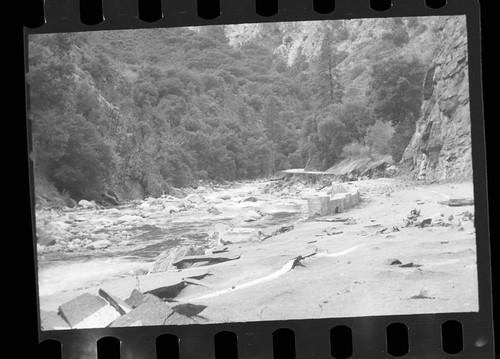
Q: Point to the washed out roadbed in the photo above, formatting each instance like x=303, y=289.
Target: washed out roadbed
x=402, y=250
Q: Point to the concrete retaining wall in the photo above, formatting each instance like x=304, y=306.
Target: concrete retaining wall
x=338, y=203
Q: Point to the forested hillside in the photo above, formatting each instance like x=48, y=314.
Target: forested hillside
x=143, y=111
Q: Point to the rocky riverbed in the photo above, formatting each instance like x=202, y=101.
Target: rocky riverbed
x=82, y=244
x=248, y=252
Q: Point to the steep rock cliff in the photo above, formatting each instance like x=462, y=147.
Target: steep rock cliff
x=441, y=146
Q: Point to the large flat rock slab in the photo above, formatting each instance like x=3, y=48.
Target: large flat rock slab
x=122, y=287
x=152, y=311
x=88, y=311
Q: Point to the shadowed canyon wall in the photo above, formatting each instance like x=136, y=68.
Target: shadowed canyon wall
x=442, y=137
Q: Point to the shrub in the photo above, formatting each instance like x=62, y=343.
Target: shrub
x=295, y=160
x=379, y=136
x=88, y=161
x=355, y=150
x=402, y=135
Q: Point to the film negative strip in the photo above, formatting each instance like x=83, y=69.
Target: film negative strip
x=258, y=179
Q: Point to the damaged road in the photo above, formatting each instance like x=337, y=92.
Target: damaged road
x=363, y=262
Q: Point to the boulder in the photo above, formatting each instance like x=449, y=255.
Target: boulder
x=99, y=236
x=45, y=240
x=40, y=249
x=87, y=204
x=195, y=198
x=72, y=247
x=214, y=211
x=70, y=202
x=251, y=216
x=391, y=170
x=100, y=244
x=110, y=199
x=128, y=218
x=145, y=206
x=113, y=211
x=250, y=199
x=57, y=227
x=177, y=193
x=54, y=248
x=225, y=196
x=221, y=228
x=176, y=207
x=237, y=235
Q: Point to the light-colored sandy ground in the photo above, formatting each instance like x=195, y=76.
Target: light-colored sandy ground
x=350, y=275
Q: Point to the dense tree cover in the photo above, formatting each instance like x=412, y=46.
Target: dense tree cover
x=113, y=116
x=169, y=107
x=396, y=94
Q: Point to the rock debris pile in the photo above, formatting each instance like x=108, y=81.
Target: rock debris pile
x=143, y=300
x=105, y=310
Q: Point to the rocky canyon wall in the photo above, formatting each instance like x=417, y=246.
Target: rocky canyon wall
x=441, y=146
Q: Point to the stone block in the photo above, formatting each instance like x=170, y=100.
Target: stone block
x=88, y=311
x=355, y=197
x=318, y=206
x=336, y=206
x=340, y=197
x=348, y=203
x=151, y=312
x=337, y=188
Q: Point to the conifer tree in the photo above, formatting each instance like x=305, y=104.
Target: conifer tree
x=329, y=89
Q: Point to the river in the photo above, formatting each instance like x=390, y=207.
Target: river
x=134, y=234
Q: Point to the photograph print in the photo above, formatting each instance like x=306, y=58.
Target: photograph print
x=252, y=172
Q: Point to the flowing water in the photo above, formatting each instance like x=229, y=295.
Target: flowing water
x=137, y=244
